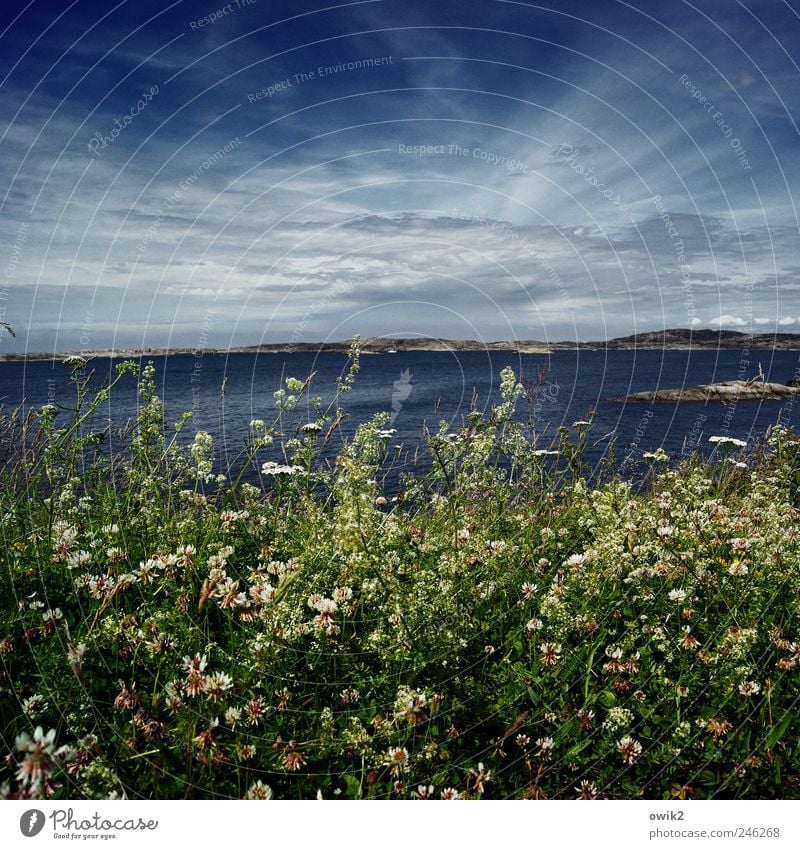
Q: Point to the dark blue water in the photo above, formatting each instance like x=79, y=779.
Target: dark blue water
x=224, y=392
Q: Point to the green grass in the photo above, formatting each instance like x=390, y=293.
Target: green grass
x=498, y=627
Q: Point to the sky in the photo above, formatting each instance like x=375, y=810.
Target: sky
x=207, y=175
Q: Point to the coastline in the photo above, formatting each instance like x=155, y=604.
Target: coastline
x=666, y=340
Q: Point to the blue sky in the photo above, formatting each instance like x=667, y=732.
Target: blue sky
x=200, y=174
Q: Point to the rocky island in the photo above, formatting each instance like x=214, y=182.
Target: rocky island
x=726, y=390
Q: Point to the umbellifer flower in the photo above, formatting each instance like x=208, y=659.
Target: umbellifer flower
x=727, y=440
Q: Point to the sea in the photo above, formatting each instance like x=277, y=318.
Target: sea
x=419, y=390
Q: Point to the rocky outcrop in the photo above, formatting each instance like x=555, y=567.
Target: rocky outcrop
x=728, y=390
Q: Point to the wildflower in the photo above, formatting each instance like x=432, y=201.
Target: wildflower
x=749, y=688
x=737, y=569
x=311, y=427
x=327, y=608
x=342, y=594
x=74, y=362
x=424, y=791
x=545, y=749
x=629, y=748
x=480, y=777
x=727, y=440
x=255, y=710
x=259, y=790
x=665, y=530
x=450, y=793
x=41, y=758
x=617, y=717
x=586, y=790
x=676, y=595
x=689, y=641
x=719, y=728
x=575, y=560
x=551, y=653
x=202, y=453
x=660, y=455
x=533, y=625
x=397, y=759
x=257, y=425
x=350, y=696
x=528, y=591
x=274, y=469
x=217, y=683
x=586, y=719
x=232, y=716
x=34, y=706
x=195, y=680
x=522, y=740
x=294, y=761
x=410, y=704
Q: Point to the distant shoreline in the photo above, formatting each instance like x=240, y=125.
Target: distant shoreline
x=665, y=340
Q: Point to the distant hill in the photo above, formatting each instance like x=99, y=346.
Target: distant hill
x=683, y=338
x=670, y=339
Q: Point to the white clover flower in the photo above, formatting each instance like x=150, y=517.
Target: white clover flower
x=575, y=560
x=749, y=688
x=629, y=748
x=259, y=790
x=676, y=595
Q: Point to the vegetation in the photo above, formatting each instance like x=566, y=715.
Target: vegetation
x=498, y=627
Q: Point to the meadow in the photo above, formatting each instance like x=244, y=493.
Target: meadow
x=501, y=626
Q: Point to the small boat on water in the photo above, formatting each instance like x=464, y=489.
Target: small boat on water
x=391, y=351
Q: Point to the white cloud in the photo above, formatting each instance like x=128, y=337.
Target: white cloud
x=727, y=321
